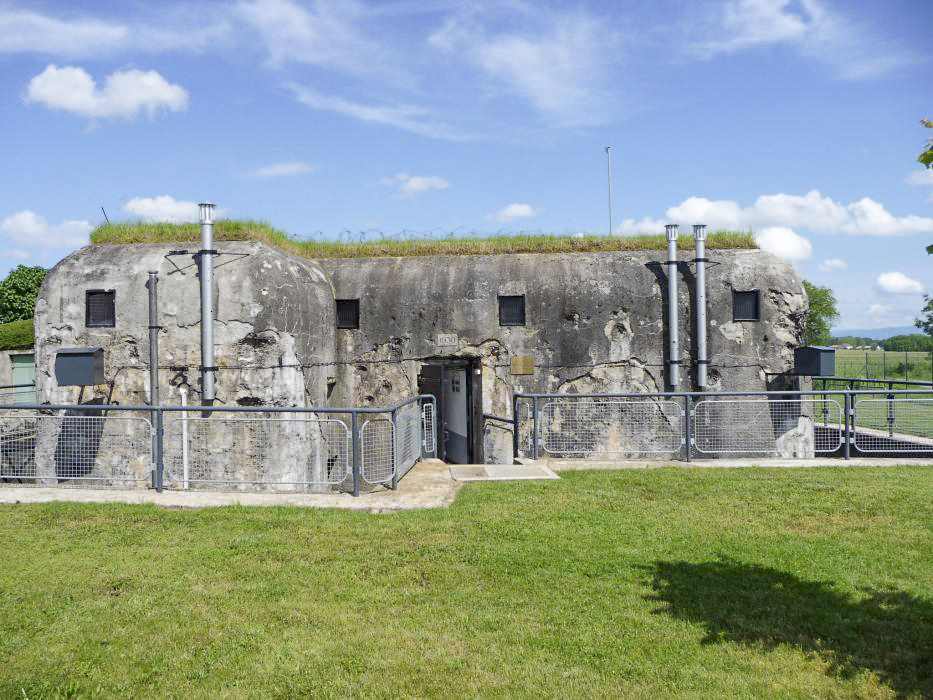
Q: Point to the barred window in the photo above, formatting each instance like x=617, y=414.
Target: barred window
x=348, y=313
x=512, y=311
x=745, y=306
x=99, y=308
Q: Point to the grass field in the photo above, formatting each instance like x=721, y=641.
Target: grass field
x=649, y=584
x=878, y=364
x=405, y=245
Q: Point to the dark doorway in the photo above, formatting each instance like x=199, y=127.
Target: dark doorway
x=456, y=384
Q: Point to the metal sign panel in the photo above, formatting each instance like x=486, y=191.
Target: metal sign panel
x=523, y=364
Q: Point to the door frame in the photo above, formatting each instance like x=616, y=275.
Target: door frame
x=474, y=399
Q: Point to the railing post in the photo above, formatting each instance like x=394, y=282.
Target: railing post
x=847, y=402
x=688, y=426
x=514, y=427
x=395, y=447
x=534, y=427
x=355, y=450
x=159, y=451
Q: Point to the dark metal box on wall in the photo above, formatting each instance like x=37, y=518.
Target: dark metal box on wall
x=815, y=361
x=79, y=366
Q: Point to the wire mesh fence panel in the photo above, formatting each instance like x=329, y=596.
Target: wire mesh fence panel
x=427, y=429
x=408, y=437
x=75, y=449
x=377, y=451
x=894, y=424
x=290, y=451
x=799, y=427
x=594, y=427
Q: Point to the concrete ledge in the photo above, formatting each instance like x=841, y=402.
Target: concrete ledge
x=427, y=485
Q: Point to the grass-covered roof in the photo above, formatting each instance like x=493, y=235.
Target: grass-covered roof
x=404, y=245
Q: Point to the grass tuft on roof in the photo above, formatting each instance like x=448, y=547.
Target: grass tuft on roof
x=409, y=245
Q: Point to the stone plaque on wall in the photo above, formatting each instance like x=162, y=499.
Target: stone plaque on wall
x=445, y=339
x=523, y=364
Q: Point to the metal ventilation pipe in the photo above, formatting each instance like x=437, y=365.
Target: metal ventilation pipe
x=153, y=286
x=699, y=239
x=206, y=265
x=673, y=345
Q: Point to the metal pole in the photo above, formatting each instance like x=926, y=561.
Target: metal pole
x=534, y=428
x=699, y=237
x=609, y=168
x=514, y=427
x=847, y=403
x=672, y=320
x=206, y=263
x=688, y=415
x=153, y=286
x=395, y=448
x=355, y=449
x=159, y=454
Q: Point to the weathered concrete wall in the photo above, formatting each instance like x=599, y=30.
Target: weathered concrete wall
x=273, y=337
x=273, y=329
x=595, y=322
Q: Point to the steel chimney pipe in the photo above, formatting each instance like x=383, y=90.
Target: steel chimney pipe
x=206, y=266
x=699, y=239
x=673, y=344
x=154, y=327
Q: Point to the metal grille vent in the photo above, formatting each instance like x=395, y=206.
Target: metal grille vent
x=348, y=313
x=99, y=308
x=745, y=306
x=512, y=311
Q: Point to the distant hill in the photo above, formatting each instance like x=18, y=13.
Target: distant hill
x=877, y=333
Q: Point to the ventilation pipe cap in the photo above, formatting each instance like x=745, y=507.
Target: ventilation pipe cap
x=699, y=232
x=671, y=230
x=207, y=212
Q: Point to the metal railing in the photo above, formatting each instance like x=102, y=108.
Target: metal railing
x=681, y=425
x=223, y=447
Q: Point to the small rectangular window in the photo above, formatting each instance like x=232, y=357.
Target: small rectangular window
x=745, y=306
x=348, y=313
x=512, y=311
x=99, y=308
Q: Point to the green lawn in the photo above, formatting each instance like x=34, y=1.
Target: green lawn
x=645, y=584
x=879, y=364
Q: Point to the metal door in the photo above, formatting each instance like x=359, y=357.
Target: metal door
x=456, y=442
x=24, y=372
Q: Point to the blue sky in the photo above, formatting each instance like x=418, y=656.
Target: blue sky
x=798, y=119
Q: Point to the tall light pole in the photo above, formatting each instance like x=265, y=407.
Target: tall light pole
x=609, y=172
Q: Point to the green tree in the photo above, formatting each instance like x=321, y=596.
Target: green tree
x=925, y=322
x=926, y=156
x=822, y=314
x=18, y=293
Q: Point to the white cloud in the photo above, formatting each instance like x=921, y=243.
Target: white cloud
x=405, y=117
x=411, y=185
x=513, y=212
x=125, y=93
x=807, y=26
x=286, y=169
x=898, y=283
x=880, y=312
x=15, y=254
x=811, y=211
x=558, y=61
x=784, y=243
x=24, y=31
x=163, y=208
x=832, y=264
x=28, y=228
x=920, y=177
x=318, y=33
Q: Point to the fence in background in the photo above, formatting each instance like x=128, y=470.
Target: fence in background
x=681, y=425
x=885, y=364
x=178, y=447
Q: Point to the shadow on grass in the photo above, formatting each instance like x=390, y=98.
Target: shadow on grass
x=889, y=633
